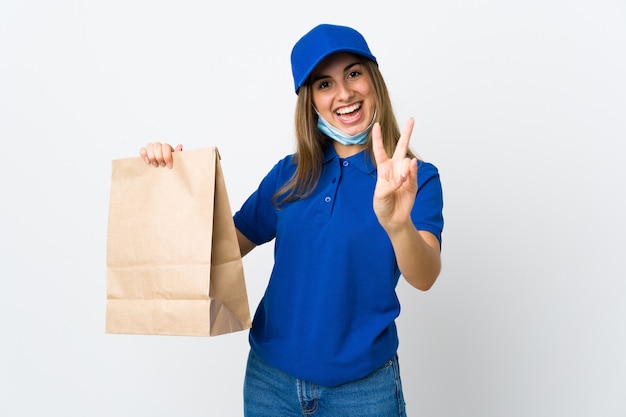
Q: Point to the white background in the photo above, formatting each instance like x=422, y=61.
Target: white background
x=521, y=105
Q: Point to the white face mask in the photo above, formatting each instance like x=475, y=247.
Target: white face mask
x=341, y=136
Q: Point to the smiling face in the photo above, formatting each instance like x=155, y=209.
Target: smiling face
x=342, y=92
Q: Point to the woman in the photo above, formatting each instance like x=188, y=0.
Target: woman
x=349, y=214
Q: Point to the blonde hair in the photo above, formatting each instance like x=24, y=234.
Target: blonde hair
x=310, y=142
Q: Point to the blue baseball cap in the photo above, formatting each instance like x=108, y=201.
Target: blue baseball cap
x=321, y=41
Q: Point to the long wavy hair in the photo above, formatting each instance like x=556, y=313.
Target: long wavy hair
x=310, y=142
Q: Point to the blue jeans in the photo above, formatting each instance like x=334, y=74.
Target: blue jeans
x=269, y=392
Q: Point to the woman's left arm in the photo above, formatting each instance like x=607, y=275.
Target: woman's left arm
x=417, y=251
x=418, y=256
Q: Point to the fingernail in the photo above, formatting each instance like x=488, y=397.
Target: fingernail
x=169, y=165
x=147, y=160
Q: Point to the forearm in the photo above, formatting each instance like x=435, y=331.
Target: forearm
x=418, y=255
x=245, y=245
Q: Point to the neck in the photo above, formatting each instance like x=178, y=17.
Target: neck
x=346, y=151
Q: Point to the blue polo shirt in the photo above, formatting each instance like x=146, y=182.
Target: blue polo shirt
x=327, y=315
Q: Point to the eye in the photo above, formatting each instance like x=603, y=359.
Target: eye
x=354, y=74
x=322, y=85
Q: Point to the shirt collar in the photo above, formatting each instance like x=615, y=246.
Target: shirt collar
x=361, y=160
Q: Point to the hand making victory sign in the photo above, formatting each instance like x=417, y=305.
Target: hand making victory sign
x=396, y=186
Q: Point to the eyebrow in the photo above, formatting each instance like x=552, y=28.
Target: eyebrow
x=346, y=68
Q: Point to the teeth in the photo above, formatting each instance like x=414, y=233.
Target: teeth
x=349, y=109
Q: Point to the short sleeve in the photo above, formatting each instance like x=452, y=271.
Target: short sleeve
x=427, y=213
x=257, y=217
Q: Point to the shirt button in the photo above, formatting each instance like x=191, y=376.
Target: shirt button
x=327, y=199
x=346, y=163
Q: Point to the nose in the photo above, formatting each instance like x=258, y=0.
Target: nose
x=344, y=92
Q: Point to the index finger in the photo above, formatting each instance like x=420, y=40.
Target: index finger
x=167, y=155
x=380, y=155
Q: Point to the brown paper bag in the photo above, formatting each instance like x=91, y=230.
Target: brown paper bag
x=173, y=262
